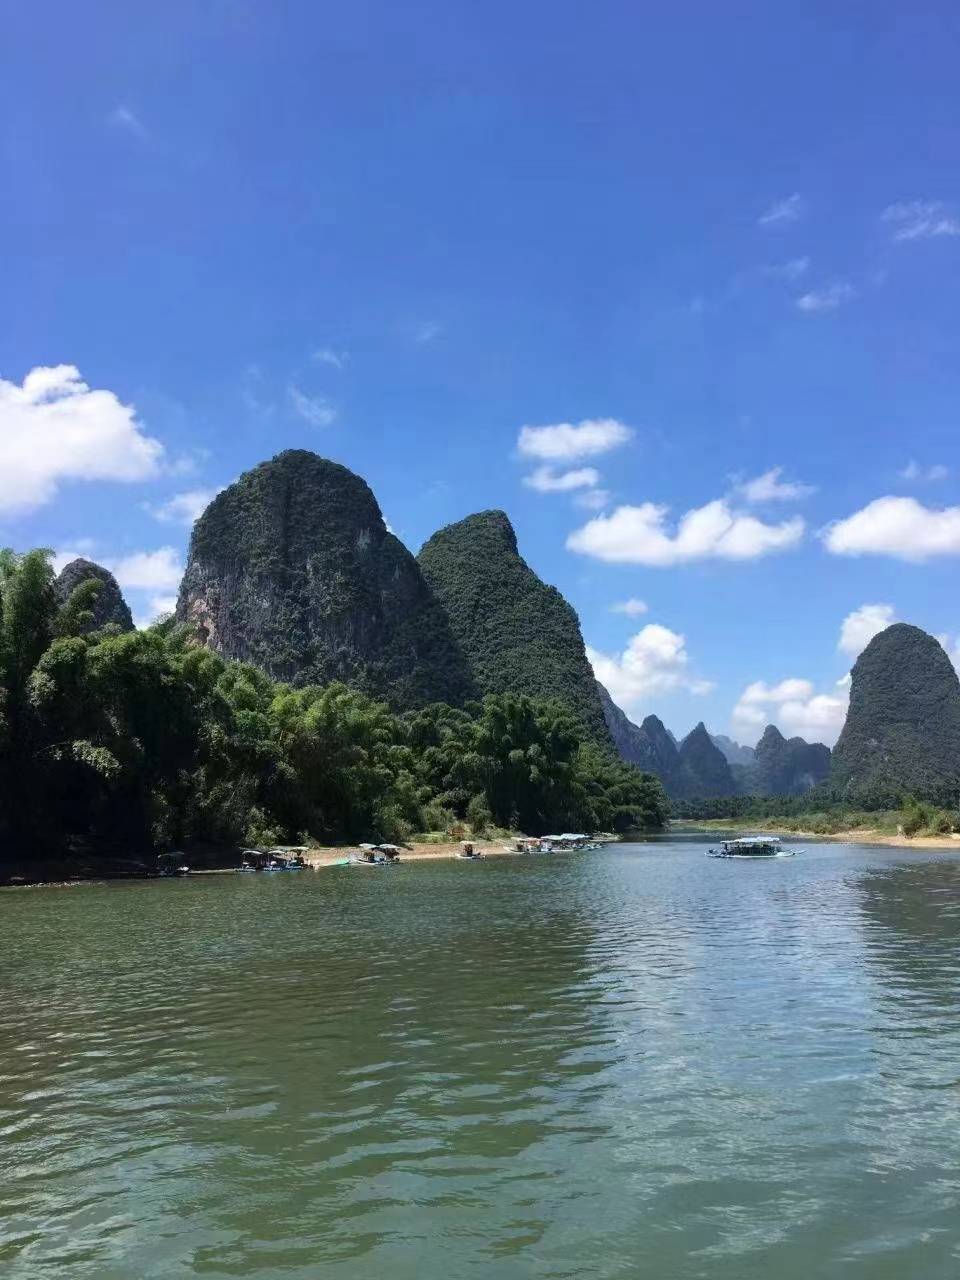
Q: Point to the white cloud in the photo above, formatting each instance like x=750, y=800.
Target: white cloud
x=826, y=299
x=914, y=471
x=655, y=661
x=157, y=571
x=426, y=331
x=770, y=488
x=122, y=117
x=592, y=499
x=163, y=604
x=566, y=441
x=317, y=410
x=327, y=355
x=791, y=270
x=921, y=220
x=184, y=508
x=546, y=480
x=859, y=627
x=640, y=535
x=794, y=707
x=783, y=211
x=54, y=429
x=899, y=527
x=632, y=607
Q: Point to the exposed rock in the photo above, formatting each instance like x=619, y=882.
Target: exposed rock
x=519, y=635
x=902, y=732
x=706, y=765
x=788, y=766
x=291, y=568
x=108, y=606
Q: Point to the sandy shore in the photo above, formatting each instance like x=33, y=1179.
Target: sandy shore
x=329, y=856
x=855, y=835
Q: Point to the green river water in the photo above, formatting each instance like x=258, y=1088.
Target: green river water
x=632, y=1063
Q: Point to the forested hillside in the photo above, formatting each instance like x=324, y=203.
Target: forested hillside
x=518, y=634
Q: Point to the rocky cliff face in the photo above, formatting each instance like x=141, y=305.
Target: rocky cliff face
x=706, y=765
x=291, y=568
x=788, y=766
x=519, y=635
x=902, y=731
x=108, y=605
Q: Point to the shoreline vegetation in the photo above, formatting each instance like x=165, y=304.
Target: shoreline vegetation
x=115, y=740
x=871, y=829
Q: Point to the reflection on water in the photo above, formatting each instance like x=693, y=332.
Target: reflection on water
x=636, y=1063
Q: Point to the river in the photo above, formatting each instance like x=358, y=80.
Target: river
x=632, y=1063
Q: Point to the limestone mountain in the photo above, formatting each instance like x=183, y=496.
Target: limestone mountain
x=733, y=751
x=706, y=765
x=292, y=568
x=649, y=745
x=788, y=766
x=107, y=606
x=902, y=731
x=519, y=634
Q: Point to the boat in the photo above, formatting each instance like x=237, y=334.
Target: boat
x=376, y=855
x=467, y=850
x=752, y=847
x=169, y=864
x=285, y=858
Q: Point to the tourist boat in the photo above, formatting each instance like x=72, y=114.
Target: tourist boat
x=376, y=855
x=467, y=850
x=752, y=847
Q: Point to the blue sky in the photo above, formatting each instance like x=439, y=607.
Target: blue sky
x=725, y=238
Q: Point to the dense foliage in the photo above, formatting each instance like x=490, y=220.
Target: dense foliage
x=292, y=568
x=902, y=731
x=518, y=634
x=145, y=739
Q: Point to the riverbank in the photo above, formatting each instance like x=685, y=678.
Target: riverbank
x=331, y=855
x=59, y=873
x=849, y=835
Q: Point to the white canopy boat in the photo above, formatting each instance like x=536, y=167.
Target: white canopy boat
x=752, y=847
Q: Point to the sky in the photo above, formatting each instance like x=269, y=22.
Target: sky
x=674, y=285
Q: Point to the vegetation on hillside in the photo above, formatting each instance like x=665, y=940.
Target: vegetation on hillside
x=826, y=813
x=518, y=634
x=902, y=732
x=145, y=740
x=292, y=568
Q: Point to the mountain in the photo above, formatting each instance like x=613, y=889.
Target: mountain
x=108, y=605
x=519, y=635
x=902, y=731
x=788, y=766
x=733, y=751
x=649, y=745
x=292, y=568
x=706, y=765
